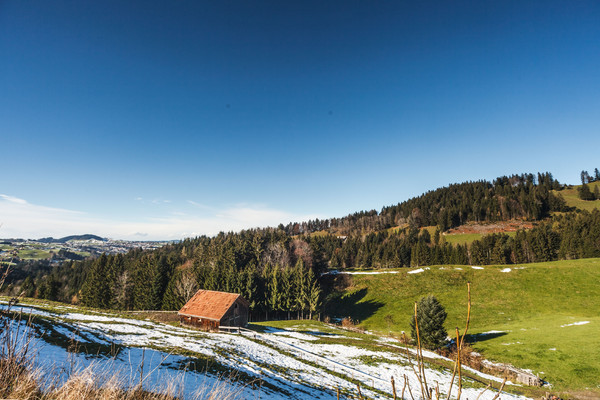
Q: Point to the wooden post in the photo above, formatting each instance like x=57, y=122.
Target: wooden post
x=359, y=393
x=394, y=388
x=338, y=393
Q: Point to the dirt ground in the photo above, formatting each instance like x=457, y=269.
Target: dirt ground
x=158, y=316
x=495, y=227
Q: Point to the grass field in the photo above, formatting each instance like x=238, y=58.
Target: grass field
x=573, y=200
x=34, y=254
x=468, y=238
x=533, y=306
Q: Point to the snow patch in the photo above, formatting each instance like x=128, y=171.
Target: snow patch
x=476, y=267
x=576, y=323
x=492, y=332
x=336, y=272
x=506, y=270
x=416, y=271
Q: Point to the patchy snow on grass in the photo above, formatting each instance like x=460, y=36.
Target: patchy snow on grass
x=101, y=318
x=387, y=339
x=292, y=363
x=575, y=324
x=476, y=267
x=369, y=272
x=492, y=332
x=416, y=271
x=297, y=335
x=506, y=270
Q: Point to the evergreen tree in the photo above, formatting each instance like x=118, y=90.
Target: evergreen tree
x=249, y=287
x=301, y=293
x=430, y=318
x=273, y=294
x=287, y=291
x=28, y=287
x=95, y=291
x=314, y=298
x=585, y=193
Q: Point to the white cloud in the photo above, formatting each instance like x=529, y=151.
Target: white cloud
x=21, y=219
x=12, y=199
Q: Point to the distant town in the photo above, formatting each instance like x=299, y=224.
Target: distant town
x=68, y=248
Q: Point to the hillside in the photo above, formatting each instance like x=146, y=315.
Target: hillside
x=572, y=199
x=301, y=360
x=526, y=196
x=72, y=237
x=544, y=316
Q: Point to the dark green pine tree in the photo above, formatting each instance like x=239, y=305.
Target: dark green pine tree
x=430, y=317
x=249, y=286
x=163, y=269
x=314, y=294
x=273, y=290
x=287, y=291
x=585, y=193
x=96, y=288
x=301, y=292
x=49, y=290
x=145, y=279
x=28, y=287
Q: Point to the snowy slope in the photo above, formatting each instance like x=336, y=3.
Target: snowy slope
x=273, y=364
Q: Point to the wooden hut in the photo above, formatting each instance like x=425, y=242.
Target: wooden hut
x=209, y=310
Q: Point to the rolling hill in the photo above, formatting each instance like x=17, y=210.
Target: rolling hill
x=541, y=316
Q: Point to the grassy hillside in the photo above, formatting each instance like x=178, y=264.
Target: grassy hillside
x=533, y=307
x=573, y=200
x=468, y=238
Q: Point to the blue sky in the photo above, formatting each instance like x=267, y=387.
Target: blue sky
x=160, y=120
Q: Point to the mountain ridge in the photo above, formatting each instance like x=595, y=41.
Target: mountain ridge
x=87, y=236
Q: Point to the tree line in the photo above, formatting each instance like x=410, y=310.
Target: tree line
x=584, y=192
x=278, y=272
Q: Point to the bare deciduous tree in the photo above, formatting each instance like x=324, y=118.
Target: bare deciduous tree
x=186, y=285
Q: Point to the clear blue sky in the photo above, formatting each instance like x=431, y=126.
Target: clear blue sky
x=163, y=119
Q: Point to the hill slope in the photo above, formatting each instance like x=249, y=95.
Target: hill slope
x=301, y=360
x=72, y=237
x=572, y=199
x=545, y=315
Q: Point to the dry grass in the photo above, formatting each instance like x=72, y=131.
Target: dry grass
x=19, y=379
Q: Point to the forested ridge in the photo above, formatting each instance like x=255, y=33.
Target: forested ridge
x=525, y=196
x=278, y=269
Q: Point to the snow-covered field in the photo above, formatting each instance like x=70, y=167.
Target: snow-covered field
x=307, y=361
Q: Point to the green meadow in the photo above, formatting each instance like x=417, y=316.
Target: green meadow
x=468, y=238
x=546, y=316
x=572, y=199
x=34, y=254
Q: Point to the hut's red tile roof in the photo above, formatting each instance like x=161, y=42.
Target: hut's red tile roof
x=210, y=304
